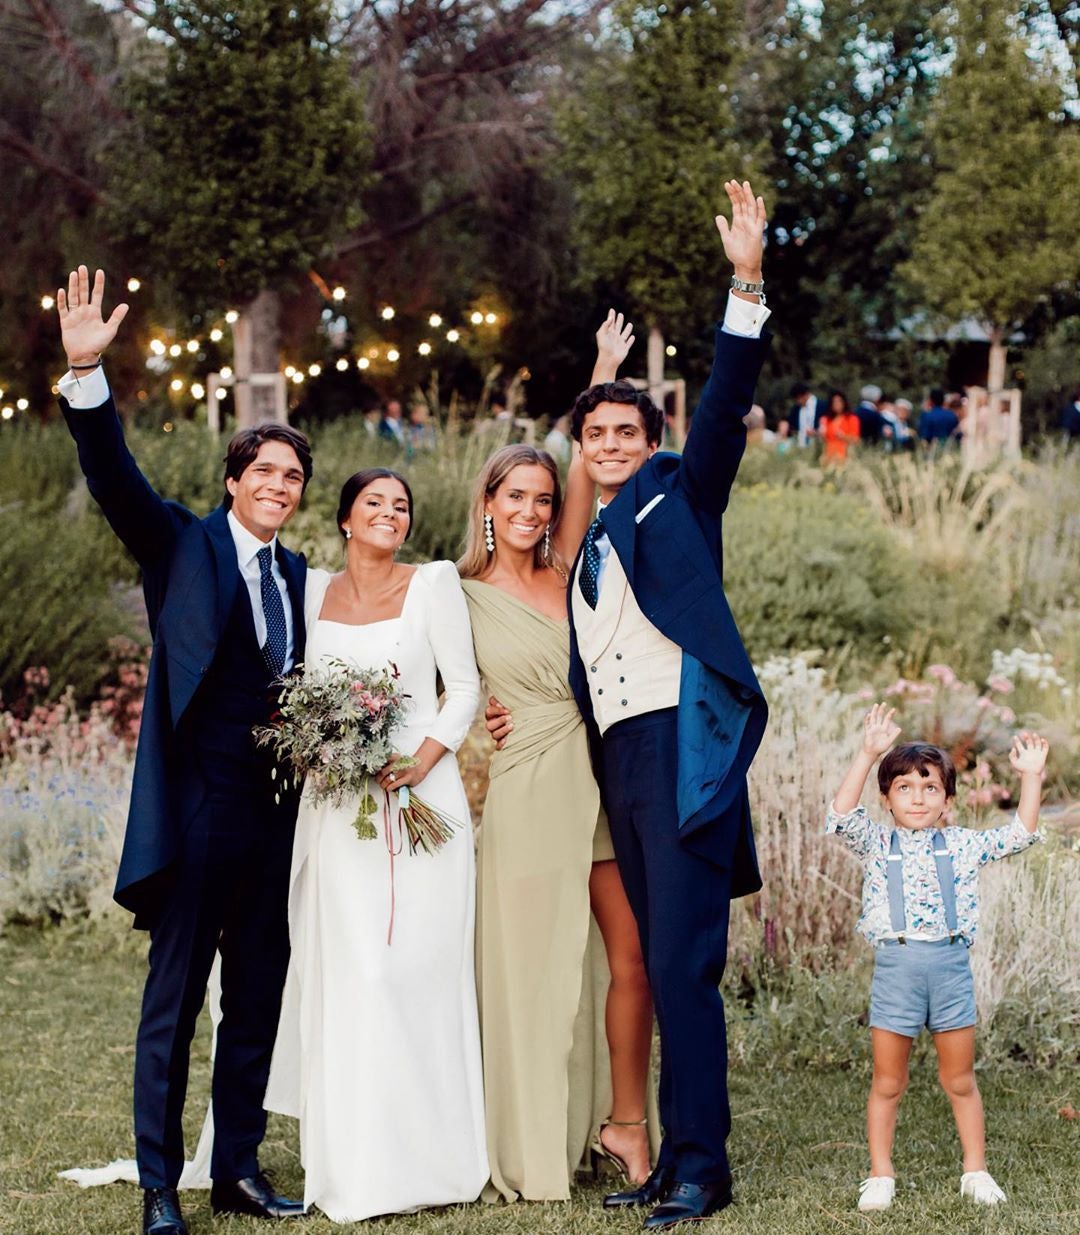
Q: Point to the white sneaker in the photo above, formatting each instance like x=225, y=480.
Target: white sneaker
x=877, y=1192
x=980, y=1186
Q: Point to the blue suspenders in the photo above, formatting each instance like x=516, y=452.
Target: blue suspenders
x=943, y=862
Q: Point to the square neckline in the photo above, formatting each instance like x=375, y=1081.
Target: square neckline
x=380, y=621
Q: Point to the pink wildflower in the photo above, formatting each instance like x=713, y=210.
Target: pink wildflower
x=1000, y=683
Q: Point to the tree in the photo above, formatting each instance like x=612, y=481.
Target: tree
x=998, y=234
x=648, y=143
x=243, y=160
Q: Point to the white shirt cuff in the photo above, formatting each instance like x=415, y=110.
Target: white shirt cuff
x=82, y=393
x=745, y=317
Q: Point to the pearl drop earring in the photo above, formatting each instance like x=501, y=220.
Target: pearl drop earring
x=348, y=533
x=489, y=533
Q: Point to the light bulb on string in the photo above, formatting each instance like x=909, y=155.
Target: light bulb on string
x=157, y=347
x=193, y=345
x=226, y=372
x=490, y=318
x=290, y=369
x=393, y=355
x=220, y=393
x=175, y=350
x=197, y=390
x=297, y=377
x=424, y=349
x=388, y=314
x=435, y=320
x=47, y=302
x=217, y=334
x=363, y=363
x=232, y=317
x=133, y=285
x=7, y=411
x=670, y=350
x=314, y=370
x=176, y=384
x=22, y=404
x=342, y=365
x=476, y=317
x=338, y=293
x=452, y=336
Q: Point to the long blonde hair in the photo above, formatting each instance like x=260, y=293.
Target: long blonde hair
x=476, y=559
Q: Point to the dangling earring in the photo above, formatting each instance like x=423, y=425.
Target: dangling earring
x=489, y=533
x=348, y=533
x=547, y=545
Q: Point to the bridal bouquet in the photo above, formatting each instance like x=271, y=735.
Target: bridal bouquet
x=333, y=726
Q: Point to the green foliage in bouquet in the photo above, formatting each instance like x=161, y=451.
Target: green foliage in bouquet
x=333, y=728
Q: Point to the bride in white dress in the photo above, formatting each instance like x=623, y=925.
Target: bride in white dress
x=378, y=1053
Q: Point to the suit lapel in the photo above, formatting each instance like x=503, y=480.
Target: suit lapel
x=226, y=566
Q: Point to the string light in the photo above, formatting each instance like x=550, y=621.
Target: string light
x=220, y=393
x=373, y=352
x=314, y=370
x=7, y=412
x=193, y=345
x=670, y=350
x=176, y=384
x=133, y=285
x=197, y=390
x=22, y=404
x=392, y=355
x=232, y=316
x=297, y=377
x=341, y=365
x=388, y=314
x=157, y=347
x=226, y=372
x=47, y=302
x=476, y=317
x=452, y=336
x=167, y=427
x=424, y=349
x=363, y=363
x=290, y=370
x=216, y=335
x=338, y=293
x=175, y=350
x=490, y=318
x=435, y=320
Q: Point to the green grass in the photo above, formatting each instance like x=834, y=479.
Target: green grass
x=68, y=1010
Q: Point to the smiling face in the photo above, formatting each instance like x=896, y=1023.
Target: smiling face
x=917, y=799
x=614, y=446
x=379, y=518
x=522, y=507
x=267, y=492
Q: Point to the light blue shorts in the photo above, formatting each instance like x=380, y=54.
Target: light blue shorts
x=922, y=982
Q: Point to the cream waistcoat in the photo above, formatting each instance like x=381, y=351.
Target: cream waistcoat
x=632, y=668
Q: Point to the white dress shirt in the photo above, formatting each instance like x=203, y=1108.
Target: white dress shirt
x=92, y=390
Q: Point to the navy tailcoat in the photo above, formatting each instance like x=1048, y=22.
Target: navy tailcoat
x=666, y=526
x=190, y=577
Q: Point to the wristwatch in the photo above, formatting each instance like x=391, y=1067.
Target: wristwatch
x=752, y=289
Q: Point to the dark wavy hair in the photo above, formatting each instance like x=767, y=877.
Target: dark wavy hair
x=618, y=392
x=245, y=445
x=920, y=757
x=358, y=482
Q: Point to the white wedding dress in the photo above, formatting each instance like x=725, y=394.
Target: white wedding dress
x=378, y=1051
x=378, y=1048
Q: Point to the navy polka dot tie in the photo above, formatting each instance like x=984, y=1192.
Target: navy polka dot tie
x=590, y=564
x=274, y=612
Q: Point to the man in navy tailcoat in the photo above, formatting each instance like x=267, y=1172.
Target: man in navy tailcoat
x=206, y=857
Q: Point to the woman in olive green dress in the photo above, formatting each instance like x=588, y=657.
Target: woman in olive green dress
x=565, y=1008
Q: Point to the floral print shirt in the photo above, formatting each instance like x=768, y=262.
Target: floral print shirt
x=924, y=910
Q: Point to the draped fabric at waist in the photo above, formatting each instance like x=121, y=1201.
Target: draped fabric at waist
x=538, y=728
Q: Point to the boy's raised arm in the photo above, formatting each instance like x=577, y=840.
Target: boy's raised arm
x=880, y=731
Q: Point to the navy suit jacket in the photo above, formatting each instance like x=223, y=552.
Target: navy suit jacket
x=190, y=577
x=666, y=526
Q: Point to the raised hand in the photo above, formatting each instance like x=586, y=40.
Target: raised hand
x=744, y=236
x=614, y=339
x=83, y=331
x=1029, y=752
x=880, y=731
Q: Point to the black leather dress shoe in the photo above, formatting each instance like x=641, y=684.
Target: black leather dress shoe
x=689, y=1203
x=651, y=1192
x=254, y=1197
x=161, y=1212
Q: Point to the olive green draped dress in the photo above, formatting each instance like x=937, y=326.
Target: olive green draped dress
x=541, y=968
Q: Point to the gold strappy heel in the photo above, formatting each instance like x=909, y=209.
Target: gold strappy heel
x=598, y=1151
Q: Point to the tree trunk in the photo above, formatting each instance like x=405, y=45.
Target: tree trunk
x=256, y=346
x=995, y=377
x=654, y=365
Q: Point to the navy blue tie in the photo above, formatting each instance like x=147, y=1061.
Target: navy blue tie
x=277, y=636
x=590, y=564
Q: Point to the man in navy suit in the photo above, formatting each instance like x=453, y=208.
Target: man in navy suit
x=663, y=680
x=206, y=857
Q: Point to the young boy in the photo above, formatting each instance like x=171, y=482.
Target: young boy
x=920, y=912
